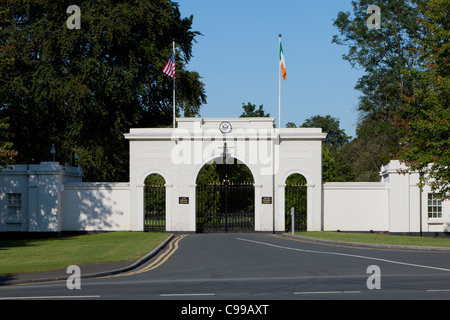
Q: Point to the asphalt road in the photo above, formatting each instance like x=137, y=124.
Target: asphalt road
x=261, y=267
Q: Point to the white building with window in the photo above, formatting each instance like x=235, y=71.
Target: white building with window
x=395, y=204
x=31, y=196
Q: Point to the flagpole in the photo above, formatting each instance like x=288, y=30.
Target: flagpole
x=173, y=103
x=279, y=83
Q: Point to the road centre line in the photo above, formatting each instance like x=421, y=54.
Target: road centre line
x=186, y=294
x=344, y=254
x=173, y=246
x=439, y=290
x=326, y=292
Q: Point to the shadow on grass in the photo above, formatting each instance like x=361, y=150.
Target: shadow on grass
x=11, y=240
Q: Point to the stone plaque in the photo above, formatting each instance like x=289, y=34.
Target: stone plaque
x=183, y=200
x=266, y=200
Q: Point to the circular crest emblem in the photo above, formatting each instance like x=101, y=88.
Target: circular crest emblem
x=225, y=127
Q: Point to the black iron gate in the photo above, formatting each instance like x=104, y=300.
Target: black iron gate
x=295, y=197
x=155, y=208
x=225, y=207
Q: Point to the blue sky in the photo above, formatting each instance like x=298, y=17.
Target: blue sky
x=237, y=57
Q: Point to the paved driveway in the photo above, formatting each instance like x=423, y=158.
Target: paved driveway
x=264, y=266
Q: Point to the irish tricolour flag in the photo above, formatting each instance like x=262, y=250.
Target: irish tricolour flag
x=282, y=62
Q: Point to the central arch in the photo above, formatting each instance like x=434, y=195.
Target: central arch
x=225, y=197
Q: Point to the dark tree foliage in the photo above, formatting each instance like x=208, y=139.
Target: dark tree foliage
x=251, y=111
x=83, y=88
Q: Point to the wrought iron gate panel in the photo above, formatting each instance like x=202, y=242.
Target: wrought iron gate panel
x=225, y=208
x=155, y=208
x=295, y=197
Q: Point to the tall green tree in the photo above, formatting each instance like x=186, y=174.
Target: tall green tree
x=7, y=152
x=336, y=137
x=369, y=150
x=83, y=88
x=251, y=111
x=383, y=54
x=334, y=165
x=426, y=145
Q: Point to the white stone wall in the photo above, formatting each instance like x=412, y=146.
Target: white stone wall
x=352, y=206
x=396, y=204
x=96, y=207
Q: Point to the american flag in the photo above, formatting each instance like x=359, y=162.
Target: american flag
x=169, y=69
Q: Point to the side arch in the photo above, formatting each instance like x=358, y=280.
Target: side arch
x=155, y=171
x=296, y=171
x=167, y=191
x=295, y=202
x=155, y=203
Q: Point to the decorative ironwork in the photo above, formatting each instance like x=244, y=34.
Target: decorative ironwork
x=225, y=207
x=155, y=208
x=295, y=197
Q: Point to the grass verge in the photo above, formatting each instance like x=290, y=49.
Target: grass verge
x=29, y=256
x=377, y=238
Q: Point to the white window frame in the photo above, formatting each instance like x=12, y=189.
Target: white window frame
x=434, y=206
x=14, y=205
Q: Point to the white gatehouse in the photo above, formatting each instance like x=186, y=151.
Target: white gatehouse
x=49, y=197
x=271, y=154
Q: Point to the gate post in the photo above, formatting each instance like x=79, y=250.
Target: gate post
x=137, y=215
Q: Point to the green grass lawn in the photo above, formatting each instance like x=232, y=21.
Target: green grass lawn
x=378, y=238
x=28, y=256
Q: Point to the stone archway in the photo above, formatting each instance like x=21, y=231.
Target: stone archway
x=296, y=202
x=270, y=153
x=225, y=198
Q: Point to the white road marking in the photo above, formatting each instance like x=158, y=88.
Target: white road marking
x=439, y=290
x=186, y=294
x=326, y=292
x=346, y=255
